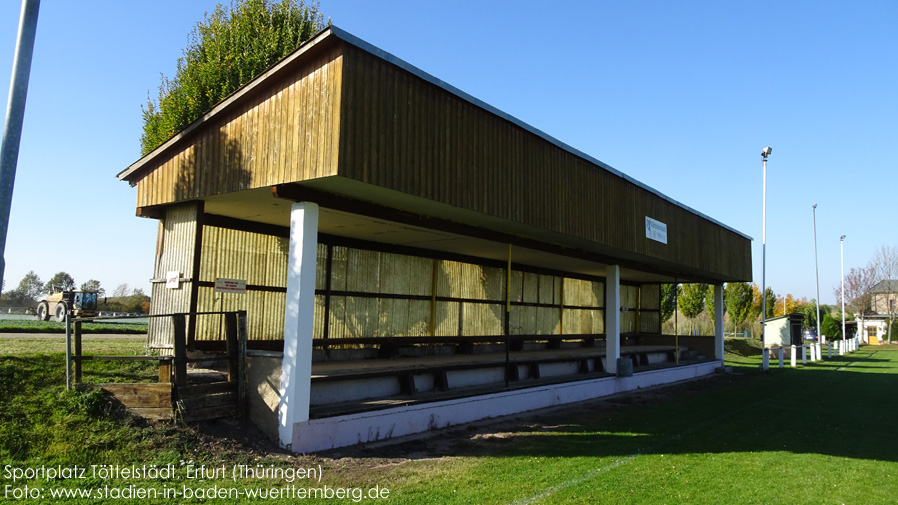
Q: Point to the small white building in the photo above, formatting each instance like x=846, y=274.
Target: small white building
x=783, y=330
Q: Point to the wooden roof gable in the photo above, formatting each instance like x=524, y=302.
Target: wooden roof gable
x=342, y=117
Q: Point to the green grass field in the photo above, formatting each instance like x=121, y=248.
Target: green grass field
x=820, y=433
x=35, y=326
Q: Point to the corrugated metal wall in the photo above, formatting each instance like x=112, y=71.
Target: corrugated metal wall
x=384, y=294
x=261, y=261
x=371, y=293
x=650, y=308
x=175, y=253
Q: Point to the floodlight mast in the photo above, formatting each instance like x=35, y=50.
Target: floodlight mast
x=816, y=269
x=764, y=154
x=842, y=254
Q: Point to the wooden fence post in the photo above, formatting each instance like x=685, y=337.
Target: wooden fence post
x=241, y=364
x=231, y=339
x=165, y=370
x=77, y=359
x=180, y=343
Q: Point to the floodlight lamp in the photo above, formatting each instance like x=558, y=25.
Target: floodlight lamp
x=843, y=237
x=814, y=206
x=766, y=152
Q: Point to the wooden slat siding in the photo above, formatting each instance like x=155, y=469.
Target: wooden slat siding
x=284, y=133
x=557, y=190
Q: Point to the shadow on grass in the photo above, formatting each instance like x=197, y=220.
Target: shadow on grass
x=836, y=408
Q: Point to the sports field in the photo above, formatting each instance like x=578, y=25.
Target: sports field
x=819, y=433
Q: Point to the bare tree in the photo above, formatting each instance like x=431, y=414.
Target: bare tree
x=859, y=284
x=121, y=291
x=885, y=268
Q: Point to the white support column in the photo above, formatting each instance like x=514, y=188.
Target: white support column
x=718, y=322
x=296, y=368
x=612, y=317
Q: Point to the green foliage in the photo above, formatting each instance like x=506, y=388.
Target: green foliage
x=668, y=301
x=709, y=301
x=692, y=299
x=94, y=285
x=831, y=328
x=136, y=302
x=738, y=297
x=229, y=48
x=62, y=281
x=30, y=289
x=35, y=326
x=809, y=310
x=771, y=302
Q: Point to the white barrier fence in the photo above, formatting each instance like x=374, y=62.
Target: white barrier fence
x=840, y=347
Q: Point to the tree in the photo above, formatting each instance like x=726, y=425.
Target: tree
x=692, y=300
x=228, y=49
x=62, y=281
x=859, y=284
x=709, y=301
x=885, y=269
x=668, y=301
x=771, y=302
x=737, y=300
x=810, y=313
x=27, y=293
x=31, y=286
x=93, y=285
x=830, y=327
x=121, y=290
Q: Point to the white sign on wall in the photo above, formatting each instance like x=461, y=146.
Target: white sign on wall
x=173, y=280
x=655, y=230
x=223, y=285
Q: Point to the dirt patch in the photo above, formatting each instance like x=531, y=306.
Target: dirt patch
x=229, y=440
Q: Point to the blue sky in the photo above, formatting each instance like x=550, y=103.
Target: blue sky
x=679, y=95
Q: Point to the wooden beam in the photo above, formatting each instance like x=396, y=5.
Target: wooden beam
x=300, y=193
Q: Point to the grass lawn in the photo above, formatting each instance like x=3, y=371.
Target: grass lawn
x=820, y=433
x=35, y=326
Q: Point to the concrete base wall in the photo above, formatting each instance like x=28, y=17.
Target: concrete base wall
x=340, y=431
x=263, y=378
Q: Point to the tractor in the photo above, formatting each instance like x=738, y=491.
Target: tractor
x=82, y=303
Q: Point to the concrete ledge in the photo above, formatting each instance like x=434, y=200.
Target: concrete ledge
x=341, y=431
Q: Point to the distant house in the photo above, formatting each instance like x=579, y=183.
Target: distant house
x=884, y=297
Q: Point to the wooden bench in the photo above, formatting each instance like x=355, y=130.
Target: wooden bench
x=406, y=368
